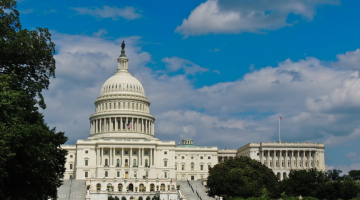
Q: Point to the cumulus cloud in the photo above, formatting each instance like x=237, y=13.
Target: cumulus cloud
x=129, y=13
x=349, y=60
x=233, y=16
x=174, y=64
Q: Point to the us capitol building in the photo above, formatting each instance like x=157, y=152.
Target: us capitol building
x=122, y=155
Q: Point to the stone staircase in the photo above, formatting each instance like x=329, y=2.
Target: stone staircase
x=186, y=190
x=198, y=188
x=72, y=190
x=201, y=190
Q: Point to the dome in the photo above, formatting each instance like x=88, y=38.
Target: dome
x=122, y=82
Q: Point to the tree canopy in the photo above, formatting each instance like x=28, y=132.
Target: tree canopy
x=31, y=160
x=240, y=177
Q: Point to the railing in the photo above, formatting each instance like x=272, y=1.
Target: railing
x=198, y=195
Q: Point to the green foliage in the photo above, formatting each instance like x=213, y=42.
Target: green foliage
x=123, y=198
x=148, y=198
x=117, y=198
x=334, y=174
x=155, y=198
x=111, y=198
x=354, y=174
x=140, y=198
x=240, y=177
x=316, y=184
x=264, y=196
x=31, y=161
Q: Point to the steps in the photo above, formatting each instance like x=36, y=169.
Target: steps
x=197, y=186
x=72, y=190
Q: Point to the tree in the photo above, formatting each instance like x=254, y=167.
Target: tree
x=302, y=182
x=240, y=177
x=334, y=174
x=31, y=160
x=354, y=174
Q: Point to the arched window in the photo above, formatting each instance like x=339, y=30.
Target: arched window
x=109, y=187
x=152, y=187
x=162, y=188
x=141, y=188
x=98, y=187
x=120, y=186
x=106, y=162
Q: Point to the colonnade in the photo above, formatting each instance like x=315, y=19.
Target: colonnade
x=290, y=159
x=112, y=152
x=122, y=124
x=224, y=158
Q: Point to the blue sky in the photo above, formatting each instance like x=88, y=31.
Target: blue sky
x=219, y=72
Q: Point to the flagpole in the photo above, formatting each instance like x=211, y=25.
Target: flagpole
x=279, y=131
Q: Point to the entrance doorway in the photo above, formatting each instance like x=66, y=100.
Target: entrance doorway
x=131, y=187
x=192, y=178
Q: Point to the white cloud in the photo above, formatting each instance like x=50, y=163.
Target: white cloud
x=129, y=13
x=349, y=60
x=174, y=64
x=232, y=16
x=28, y=11
x=100, y=33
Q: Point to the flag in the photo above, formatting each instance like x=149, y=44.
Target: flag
x=280, y=117
x=129, y=125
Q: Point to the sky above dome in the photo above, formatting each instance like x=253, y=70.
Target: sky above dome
x=219, y=72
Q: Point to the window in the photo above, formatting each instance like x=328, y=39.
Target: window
x=134, y=152
x=118, y=163
x=134, y=162
x=86, y=162
x=70, y=166
x=192, y=166
x=118, y=173
x=86, y=151
x=175, y=157
x=117, y=152
x=257, y=154
x=182, y=157
x=146, y=162
x=71, y=156
x=126, y=152
x=106, y=173
x=209, y=157
x=201, y=157
x=192, y=157
x=147, y=174
x=165, y=174
x=165, y=152
x=201, y=167
x=209, y=166
x=106, y=162
x=175, y=167
x=86, y=174
x=106, y=152
x=165, y=163
x=146, y=152
x=182, y=167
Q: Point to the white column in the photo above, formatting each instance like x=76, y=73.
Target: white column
x=97, y=156
x=267, y=159
x=122, y=157
x=303, y=159
x=150, y=158
x=132, y=124
x=101, y=155
x=130, y=161
x=273, y=160
x=153, y=128
x=116, y=124
x=286, y=159
x=142, y=156
x=114, y=156
x=154, y=161
x=280, y=157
